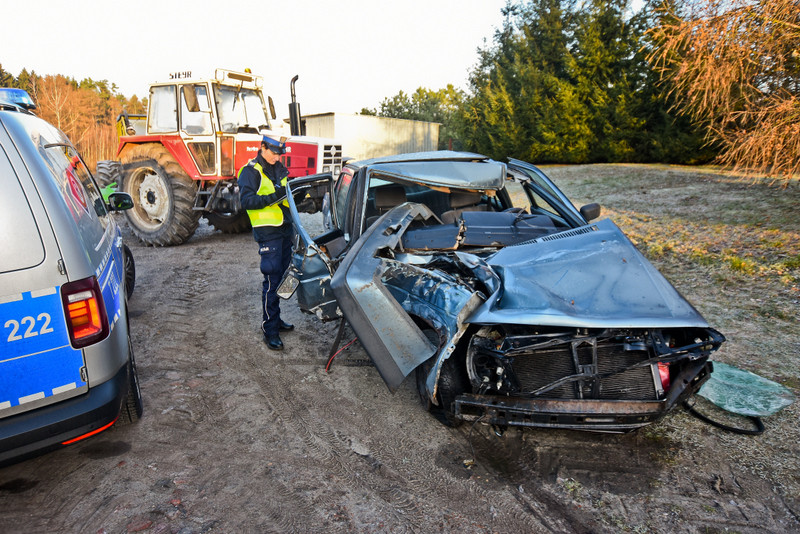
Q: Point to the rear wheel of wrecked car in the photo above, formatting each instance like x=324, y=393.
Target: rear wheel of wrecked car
x=453, y=381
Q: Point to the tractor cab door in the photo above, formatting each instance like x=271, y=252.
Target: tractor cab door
x=197, y=126
x=314, y=259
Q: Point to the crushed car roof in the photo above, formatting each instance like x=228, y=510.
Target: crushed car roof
x=441, y=170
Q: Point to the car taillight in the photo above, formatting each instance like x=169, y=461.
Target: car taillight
x=663, y=373
x=87, y=321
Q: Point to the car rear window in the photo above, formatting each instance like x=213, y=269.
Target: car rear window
x=19, y=238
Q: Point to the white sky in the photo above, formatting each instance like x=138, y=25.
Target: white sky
x=349, y=54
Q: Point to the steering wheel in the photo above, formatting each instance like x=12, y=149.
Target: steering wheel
x=515, y=209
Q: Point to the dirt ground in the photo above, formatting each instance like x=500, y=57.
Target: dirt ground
x=238, y=438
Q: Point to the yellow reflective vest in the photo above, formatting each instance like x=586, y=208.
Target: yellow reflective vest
x=268, y=215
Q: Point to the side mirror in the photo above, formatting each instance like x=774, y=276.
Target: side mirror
x=271, y=108
x=119, y=201
x=590, y=211
x=288, y=285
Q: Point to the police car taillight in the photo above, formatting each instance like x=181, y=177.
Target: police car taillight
x=87, y=321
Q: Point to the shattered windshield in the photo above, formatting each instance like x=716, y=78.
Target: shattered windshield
x=240, y=109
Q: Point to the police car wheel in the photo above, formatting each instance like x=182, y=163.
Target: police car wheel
x=130, y=270
x=132, y=408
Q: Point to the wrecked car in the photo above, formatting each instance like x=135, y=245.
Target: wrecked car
x=509, y=305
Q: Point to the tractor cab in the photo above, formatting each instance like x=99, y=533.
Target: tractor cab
x=219, y=120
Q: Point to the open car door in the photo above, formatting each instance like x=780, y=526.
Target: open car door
x=309, y=273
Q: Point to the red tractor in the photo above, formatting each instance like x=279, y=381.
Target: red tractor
x=179, y=162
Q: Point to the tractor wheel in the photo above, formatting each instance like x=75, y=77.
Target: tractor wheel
x=229, y=223
x=109, y=172
x=163, y=196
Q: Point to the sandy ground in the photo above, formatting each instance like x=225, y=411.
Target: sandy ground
x=238, y=438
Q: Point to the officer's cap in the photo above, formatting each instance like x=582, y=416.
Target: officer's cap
x=275, y=145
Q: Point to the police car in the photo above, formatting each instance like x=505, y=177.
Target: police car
x=67, y=369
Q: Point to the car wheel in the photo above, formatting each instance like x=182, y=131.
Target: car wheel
x=163, y=196
x=130, y=270
x=453, y=381
x=132, y=408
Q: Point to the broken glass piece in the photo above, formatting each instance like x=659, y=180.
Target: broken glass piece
x=744, y=393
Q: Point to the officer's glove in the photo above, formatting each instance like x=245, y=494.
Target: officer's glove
x=277, y=196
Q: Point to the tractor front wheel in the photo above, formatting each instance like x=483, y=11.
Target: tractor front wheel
x=163, y=196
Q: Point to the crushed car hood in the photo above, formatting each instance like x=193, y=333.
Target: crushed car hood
x=589, y=277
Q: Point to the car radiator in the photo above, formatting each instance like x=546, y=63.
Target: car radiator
x=537, y=369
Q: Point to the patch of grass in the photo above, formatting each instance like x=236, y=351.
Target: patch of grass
x=657, y=250
x=771, y=311
x=742, y=265
x=792, y=263
x=702, y=257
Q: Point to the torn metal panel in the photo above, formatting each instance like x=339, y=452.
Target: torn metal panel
x=439, y=299
x=390, y=337
x=590, y=277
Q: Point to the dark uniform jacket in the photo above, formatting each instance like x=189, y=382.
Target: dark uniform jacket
x=249, y=182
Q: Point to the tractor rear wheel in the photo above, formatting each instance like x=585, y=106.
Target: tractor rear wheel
x=229, y=223
x=109, y=172
x=163, y=196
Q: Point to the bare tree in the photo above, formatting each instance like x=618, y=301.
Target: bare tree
x=734, y=66
x=80, y=113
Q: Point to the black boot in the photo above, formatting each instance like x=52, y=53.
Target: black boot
x=273, y=342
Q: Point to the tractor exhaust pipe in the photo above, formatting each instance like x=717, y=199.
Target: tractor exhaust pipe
x=294, y=111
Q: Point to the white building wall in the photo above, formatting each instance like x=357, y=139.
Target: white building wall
x=365, y=136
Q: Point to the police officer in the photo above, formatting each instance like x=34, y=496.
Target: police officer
x=262, y=188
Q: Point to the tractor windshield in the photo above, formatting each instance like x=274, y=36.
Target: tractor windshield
x=240, y=109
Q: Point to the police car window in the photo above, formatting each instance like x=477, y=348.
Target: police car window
x=23, y=247
x=76, y=182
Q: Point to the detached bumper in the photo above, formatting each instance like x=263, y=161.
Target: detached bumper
x=604, y=416
x=33, y=432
